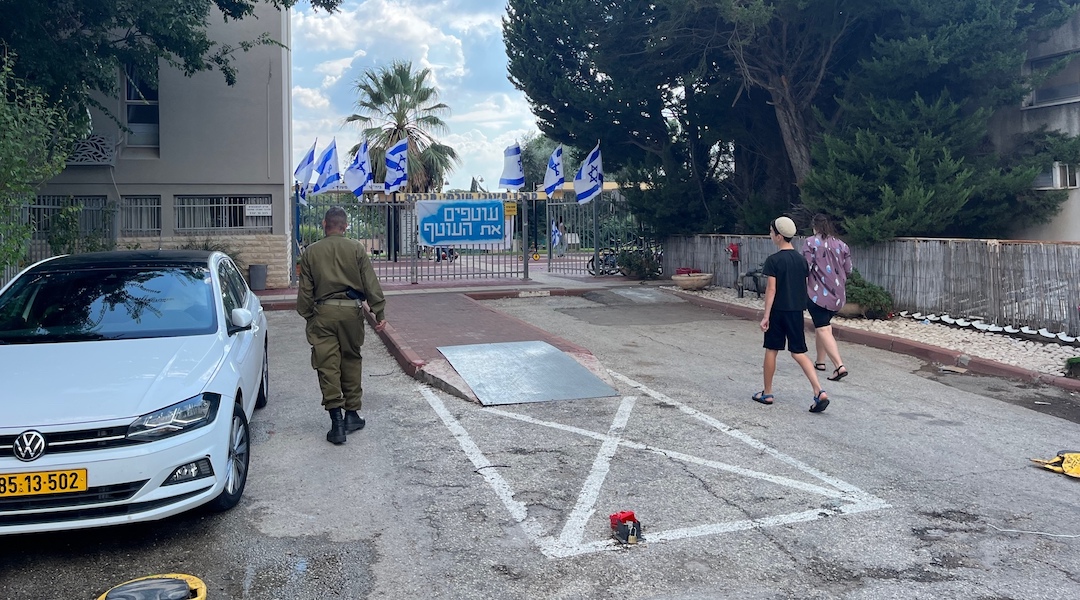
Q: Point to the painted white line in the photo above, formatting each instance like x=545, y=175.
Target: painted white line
x=720, y=466
x=518, y=511
x=574, y=530
x=571, y=540
x=753, y=443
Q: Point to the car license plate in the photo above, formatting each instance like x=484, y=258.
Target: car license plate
x=42, y=482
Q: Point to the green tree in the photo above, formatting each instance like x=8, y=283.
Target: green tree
x=912, y=155
x=394, y=103
x=595, y=71
x=35, y=137
x=726, y=110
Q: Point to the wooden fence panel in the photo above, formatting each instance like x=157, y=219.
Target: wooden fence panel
x=1016, y=283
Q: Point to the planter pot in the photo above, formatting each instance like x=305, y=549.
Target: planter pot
x=851, y=310
x=693, y=281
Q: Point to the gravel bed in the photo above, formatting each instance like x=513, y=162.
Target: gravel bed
x=1048, y=358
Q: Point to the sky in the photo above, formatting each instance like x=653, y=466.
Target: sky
x=460, y=41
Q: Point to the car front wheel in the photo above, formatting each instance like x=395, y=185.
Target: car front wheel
x=236, y=466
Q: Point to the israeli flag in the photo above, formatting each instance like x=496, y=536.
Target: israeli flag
x=589, y=181
x=359, y=176
x=397, y=167
x=553, y=177
x=513, y=175
x=327, y=168
x=304, y=170
x=556, y=235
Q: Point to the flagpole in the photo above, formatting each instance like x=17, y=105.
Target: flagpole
x=596, y=238
x=294, y=276
x=525, y=239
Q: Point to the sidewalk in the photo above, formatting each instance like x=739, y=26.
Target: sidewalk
x=421, y=318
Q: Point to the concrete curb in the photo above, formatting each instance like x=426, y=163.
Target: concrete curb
x=926, y=352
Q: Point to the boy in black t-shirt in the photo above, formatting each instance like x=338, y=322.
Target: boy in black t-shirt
x=785, y=300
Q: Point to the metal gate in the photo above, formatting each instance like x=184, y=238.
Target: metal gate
x=389, y=230
x=592, y=234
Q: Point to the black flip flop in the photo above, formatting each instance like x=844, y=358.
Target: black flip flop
x=837, y=375
x=819, y=366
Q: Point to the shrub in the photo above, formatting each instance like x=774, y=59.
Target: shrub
x=638, y=264
x=875, y=300
x=213, y=245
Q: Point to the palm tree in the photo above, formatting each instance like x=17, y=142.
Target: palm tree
x=394, y=103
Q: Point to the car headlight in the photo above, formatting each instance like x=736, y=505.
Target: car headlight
x=184, y=416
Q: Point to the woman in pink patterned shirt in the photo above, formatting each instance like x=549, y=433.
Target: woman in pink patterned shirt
x=830, y=264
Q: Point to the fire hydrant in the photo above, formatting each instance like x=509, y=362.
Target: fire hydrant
x=733, y=255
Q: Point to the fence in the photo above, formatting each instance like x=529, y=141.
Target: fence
x=389, y=230
x=606, y=222
x=1004, y=282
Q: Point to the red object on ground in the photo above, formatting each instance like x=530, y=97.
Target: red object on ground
x=686, y=271
x=621, y=517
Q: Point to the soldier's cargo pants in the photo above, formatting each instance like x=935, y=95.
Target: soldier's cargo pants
x=336, y=334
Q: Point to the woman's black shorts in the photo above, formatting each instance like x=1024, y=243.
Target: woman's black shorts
x=822, y=317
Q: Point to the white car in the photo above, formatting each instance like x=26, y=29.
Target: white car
x=127, y=380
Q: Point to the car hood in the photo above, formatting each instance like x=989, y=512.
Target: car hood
x=79, y=382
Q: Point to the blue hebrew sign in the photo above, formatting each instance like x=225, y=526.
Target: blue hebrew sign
x=460, y=222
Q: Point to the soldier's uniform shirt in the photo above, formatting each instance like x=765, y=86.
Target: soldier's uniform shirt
x=335, y=324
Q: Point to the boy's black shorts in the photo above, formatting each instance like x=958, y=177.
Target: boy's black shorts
x=822, y=317
x=786, y=328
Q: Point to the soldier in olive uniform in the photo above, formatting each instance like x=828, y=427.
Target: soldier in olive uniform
x=335, y=277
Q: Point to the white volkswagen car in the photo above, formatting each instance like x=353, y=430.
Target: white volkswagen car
x=127, y=380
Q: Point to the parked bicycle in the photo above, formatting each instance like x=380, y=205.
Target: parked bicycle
x=609, y=259
x=644, y=257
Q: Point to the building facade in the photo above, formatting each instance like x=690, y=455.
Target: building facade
x=197, y=163
x=1054, y=104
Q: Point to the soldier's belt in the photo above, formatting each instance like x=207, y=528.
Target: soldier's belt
x=337, y=302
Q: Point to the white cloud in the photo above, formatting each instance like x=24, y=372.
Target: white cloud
x=497, y=111
x=310, y=98
x=385, y=31
x=483, y=24
x=336, y=67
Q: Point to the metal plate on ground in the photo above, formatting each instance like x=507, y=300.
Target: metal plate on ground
x=520, y=372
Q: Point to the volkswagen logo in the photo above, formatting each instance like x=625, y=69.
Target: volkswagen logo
x=30, y=445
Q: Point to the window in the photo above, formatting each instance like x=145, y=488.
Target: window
x=1063, y=85
x=236, y=282
x=94, y=217
x=140, y=215
x=1060, y=176
x=201, y=214
x=234, y=289
x=107, y=303
x=141, y=110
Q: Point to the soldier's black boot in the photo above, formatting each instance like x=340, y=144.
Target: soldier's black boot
x=353, y=421
x=336, y=435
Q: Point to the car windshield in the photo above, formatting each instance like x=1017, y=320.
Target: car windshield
x=107, y=304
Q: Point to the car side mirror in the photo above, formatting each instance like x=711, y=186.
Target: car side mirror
x=241, y=320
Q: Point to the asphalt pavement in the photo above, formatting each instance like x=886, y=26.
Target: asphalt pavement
x=422, y=318
x=915, y=483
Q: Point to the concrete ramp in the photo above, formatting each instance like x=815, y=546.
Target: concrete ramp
x=521, y=372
